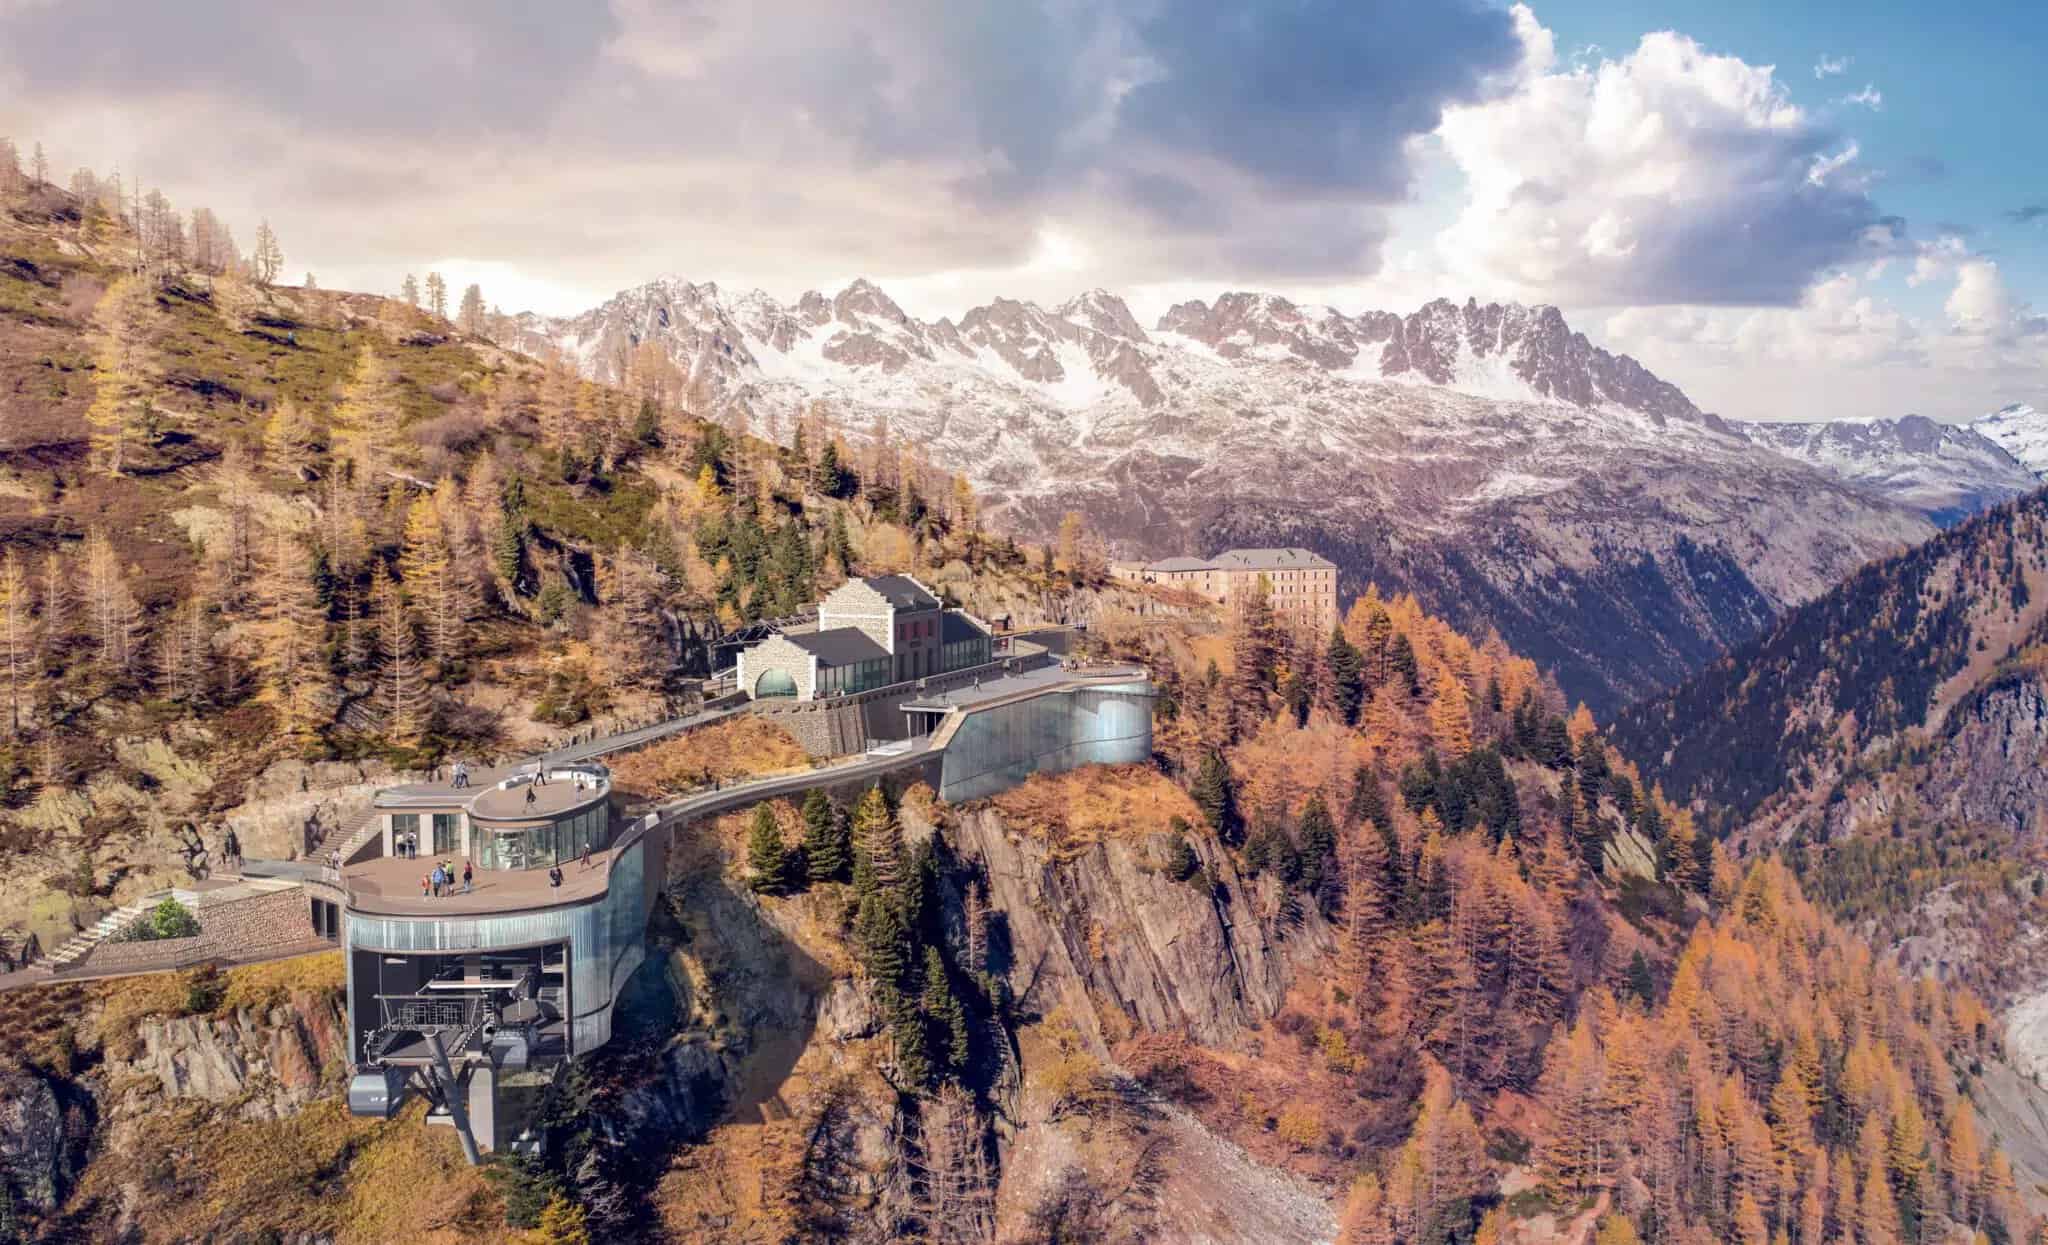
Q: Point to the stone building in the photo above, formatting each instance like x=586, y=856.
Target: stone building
x=1301, y=585
x=871, y=633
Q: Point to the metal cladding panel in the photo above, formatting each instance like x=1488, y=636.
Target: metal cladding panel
x=997, y=748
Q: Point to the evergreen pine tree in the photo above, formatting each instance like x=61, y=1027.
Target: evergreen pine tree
x=825, y=846
x=1181, y=861
x=942, y=1008
x=767, y=858
x=883, y=939
x=1347, y=677
x=1214, y=796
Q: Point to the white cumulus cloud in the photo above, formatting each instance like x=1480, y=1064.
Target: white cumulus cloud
x=1670, y=174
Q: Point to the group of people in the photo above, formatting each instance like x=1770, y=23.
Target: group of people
x=440, y=880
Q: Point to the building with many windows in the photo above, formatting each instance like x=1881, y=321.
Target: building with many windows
x=871, y=633
x=1300, y=584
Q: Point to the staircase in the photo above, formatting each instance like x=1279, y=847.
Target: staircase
x=80, y=945
x=348, y=837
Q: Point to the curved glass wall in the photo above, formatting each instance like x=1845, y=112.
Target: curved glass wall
x=999, y=747
x=605, y=937
x=538, y=847
x=774, y=683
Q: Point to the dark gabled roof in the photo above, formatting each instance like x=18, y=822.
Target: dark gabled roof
x=1178, y=564
x=1272, y=559
x=955, y=626
x=841, y=646
x=903, y=592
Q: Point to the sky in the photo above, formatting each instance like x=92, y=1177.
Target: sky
x=1792, y=211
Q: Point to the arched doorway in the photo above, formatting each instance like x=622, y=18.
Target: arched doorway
x=774, y=683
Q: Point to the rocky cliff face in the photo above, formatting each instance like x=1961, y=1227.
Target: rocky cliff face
x=1123, y=947
x=41, y=1144
x=266, y=1064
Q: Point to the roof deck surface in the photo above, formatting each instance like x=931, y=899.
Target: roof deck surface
x=390, y=886
x=550, y=800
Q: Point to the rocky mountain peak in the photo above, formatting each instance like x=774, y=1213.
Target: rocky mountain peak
x=1104, y=312
x=2022, y=431
x=864, y=298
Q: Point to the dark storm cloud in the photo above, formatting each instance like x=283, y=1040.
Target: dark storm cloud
x=1313, y=94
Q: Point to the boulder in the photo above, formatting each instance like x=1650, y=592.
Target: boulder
x=34, y=1145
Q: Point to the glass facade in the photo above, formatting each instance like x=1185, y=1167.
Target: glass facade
x=859, y=677
x=537, y=847
x=961, y=654
x=999, y=747
x=403, y=824
x=447, y=833
x=605, y=937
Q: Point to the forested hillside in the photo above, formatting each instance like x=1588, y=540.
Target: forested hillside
x=247, y=529
x=1888, y=739
x=1887, y=652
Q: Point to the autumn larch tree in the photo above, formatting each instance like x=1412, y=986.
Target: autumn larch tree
x=366, y=419
x=293, y=629
x=267, y=260
x=114, y=614
x=125, y=371
x=403, y=696
x=471, y=315
x=20, y=650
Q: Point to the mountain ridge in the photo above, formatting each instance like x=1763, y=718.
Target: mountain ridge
x=1485, y=456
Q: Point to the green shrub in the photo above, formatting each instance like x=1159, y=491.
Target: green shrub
x=171, y=919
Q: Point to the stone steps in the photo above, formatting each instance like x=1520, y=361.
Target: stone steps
x=80, y=945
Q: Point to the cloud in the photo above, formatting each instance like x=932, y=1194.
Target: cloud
x=1668, y=175
x=1846, y=349
x=2027, y=214
x=1832, y=66
x=1246, y=140
x=1869, y=97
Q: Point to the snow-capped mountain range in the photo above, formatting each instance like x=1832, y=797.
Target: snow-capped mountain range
x=2021, y=431
x=1950, y=471
x=1485, y=455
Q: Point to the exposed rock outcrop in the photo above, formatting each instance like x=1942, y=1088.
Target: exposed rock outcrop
x=1120, y=944
x=270, y=1063
x=37, y=1150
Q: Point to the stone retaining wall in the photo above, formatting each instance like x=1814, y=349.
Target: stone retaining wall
x=242, y=929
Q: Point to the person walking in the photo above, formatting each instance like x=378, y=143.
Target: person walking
x=426, y=886
x=466, y=875
x=434, y=881
x=461, y=775
x=529, y=794
x=555, y=876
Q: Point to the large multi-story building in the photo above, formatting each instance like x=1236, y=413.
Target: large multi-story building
x=1300, y=584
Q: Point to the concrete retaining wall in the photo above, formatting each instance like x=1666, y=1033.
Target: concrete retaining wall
x=848, y=724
